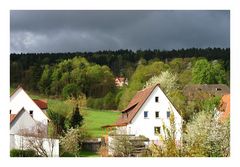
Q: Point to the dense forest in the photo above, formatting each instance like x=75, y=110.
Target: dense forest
x=92, y=74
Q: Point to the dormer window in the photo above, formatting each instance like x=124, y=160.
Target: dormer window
x=156, y=99
x=31, y=113
x=218, y=89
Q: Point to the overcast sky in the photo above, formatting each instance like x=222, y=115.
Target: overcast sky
x=70, y=31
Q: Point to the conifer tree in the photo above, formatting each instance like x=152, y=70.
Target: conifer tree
x=77, y=118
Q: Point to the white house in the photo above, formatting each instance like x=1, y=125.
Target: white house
x=20, y=99
x=147, y=113
x=121, y=81
x=29, y=122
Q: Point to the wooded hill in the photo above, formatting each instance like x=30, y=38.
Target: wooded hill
x=91, y=74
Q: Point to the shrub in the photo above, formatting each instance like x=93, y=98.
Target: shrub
x=22, y=153
x=72, y=141
x=107, y=102
x=70, y=90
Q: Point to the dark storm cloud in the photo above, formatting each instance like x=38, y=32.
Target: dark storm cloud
x=69, y=31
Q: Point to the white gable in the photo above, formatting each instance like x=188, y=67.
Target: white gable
x=22, y=121
x=145, y=126
x=20, y=99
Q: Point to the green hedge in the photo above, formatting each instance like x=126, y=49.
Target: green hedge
x=22, y=153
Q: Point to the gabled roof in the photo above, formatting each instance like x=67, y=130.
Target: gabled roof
x=201, y=91
x=41, y=103
x=224, y=107
x=135, y=104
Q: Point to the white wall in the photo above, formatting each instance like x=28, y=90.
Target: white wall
x=22, y=121
x=145, y=126
x=20, y=99
x=20, y=142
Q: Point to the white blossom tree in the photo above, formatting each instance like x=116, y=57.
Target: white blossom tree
x=72, y=141
x=167, y=81
x=207, y=136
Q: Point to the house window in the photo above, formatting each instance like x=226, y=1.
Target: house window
x=157, y=130
x=168, y=114
x=157, y=114
x=156, y=99
x=145, y=114
x=31, y=113
x=10, y=111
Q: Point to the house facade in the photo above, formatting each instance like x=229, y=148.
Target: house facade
x=148, y=113
x=20, y=99
x=121, y=81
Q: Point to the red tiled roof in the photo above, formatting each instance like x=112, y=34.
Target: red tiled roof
x=135, y=104
x=42, y=104
x=12, y=117
x=225, y=107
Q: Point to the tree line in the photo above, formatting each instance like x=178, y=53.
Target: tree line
x=91, y=75
x=120, y=61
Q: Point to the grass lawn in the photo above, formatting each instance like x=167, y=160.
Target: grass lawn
x=94, y=119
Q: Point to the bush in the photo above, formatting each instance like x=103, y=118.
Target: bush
x=22, y=153
x=70, y=90
x=107, y=102
x=71, y=142
x=96, y=103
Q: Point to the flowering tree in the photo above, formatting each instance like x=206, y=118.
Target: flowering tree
x=207, y=136
x=204, y=136
x=167, y=81
x=72, y=141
